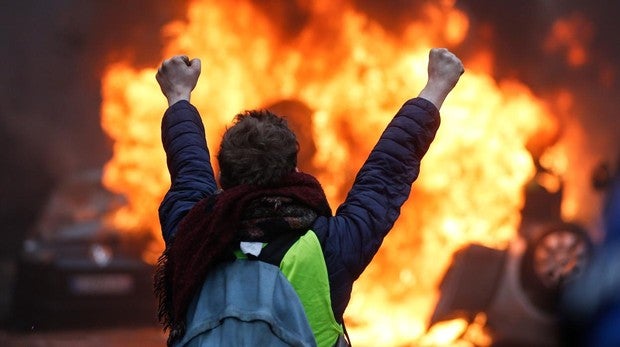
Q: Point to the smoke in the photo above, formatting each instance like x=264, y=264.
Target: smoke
x=53, y=55
x=520, y=34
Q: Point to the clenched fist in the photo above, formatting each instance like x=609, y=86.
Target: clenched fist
x=177, y=77
x=444, y=71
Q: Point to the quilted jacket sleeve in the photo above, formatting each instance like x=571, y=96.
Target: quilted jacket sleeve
x=189, y=164
x=352, y=237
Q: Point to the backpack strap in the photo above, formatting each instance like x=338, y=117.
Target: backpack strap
x=275, y=250
x=346, y=339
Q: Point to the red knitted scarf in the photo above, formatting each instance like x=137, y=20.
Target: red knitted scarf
x=208, y=235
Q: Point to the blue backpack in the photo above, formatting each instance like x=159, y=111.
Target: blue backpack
x=247, y=303
x=250, y=302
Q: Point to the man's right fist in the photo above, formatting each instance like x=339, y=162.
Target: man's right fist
x=177, y=77
x=444, y=67
x=444, y=70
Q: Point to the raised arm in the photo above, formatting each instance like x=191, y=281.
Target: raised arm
x=183, y=139
x=384, y=182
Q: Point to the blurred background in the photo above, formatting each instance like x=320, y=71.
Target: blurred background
x=55, y=55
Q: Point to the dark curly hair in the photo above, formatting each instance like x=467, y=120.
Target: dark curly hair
x=259, y=149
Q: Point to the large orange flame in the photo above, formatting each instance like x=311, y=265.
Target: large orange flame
x=353, y=76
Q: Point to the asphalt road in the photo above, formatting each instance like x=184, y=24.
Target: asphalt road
x=112, y=337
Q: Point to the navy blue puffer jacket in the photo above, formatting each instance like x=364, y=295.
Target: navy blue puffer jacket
x=354, y=234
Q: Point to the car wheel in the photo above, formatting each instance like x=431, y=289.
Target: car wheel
x=557, y=256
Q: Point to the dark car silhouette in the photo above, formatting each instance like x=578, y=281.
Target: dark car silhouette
x=77, y=270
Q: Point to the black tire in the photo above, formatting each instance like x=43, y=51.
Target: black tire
x=552, y=259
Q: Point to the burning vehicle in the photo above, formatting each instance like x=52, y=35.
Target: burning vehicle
x=517, y=291
x=76, y=269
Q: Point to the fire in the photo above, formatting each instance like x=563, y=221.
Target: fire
x=571, y=35
x=353, y=75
